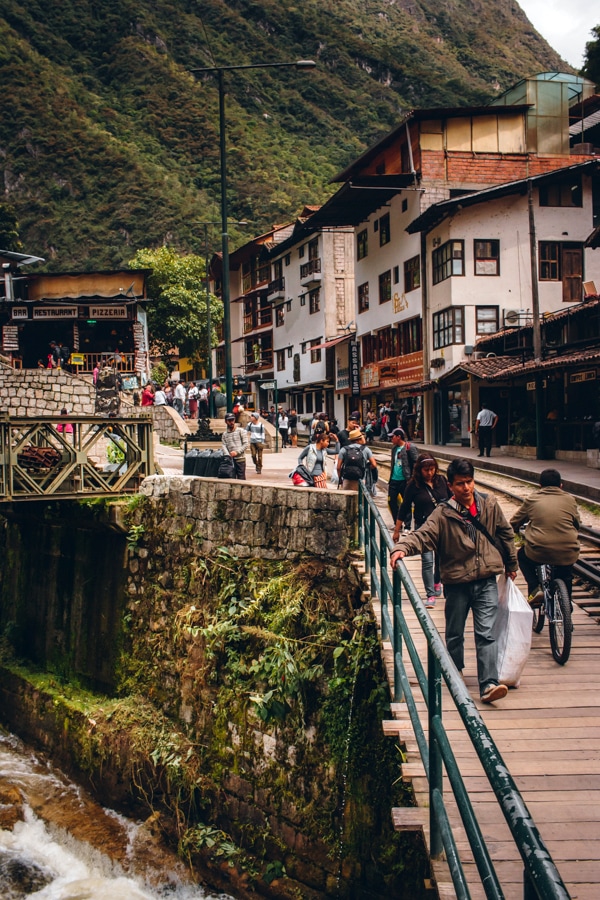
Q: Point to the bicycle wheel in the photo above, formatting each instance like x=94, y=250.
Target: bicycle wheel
x=560, y=625
x=539, y=617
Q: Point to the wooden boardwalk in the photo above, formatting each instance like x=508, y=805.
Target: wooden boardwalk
x=548, y=732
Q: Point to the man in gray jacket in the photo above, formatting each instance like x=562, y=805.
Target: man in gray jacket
x=235, y=444
x=469, y=564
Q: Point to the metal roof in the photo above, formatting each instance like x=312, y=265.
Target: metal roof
x=21, y=259
x=356, y=200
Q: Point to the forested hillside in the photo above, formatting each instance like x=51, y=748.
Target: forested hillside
x=108, y=144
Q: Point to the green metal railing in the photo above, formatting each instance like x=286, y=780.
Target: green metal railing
x=541, y=879
x=70, y=457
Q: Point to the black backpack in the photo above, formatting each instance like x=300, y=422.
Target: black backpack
x=354, y=465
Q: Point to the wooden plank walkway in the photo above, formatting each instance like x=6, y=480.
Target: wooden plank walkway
x=548, y=732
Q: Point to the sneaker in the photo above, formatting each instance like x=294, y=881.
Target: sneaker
x=494, y=692
x=536, y=597
x=437, y=588
x=430, y=602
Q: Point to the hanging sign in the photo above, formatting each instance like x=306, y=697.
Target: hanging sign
x=354, y=368
x=10, y=337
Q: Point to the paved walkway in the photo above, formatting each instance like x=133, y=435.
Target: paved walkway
x=578, y=479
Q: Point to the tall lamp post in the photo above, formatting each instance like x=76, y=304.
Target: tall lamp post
x=206, y=226
x=298, y=64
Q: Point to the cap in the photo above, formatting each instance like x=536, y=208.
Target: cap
x=355, y=434
x=398, y=432
x=354, y=417
x=254, y=415
x=230, y=417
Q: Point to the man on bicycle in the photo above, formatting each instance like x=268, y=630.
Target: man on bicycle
x=551, y=522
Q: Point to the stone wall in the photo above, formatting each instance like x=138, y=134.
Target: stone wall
x=169, y=425
x=35, y=392
x=264, y=521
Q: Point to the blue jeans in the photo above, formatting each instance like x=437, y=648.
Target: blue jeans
x=481, y=597
x=430, y=571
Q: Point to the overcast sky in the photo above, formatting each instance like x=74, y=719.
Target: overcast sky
x=566, y=24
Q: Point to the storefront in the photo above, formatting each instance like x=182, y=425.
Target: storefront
x=94, y=315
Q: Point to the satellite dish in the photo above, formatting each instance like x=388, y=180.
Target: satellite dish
x=511, y=316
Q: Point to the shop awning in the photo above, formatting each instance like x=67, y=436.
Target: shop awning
x=326, y=345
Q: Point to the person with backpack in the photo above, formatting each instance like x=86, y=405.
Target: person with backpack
x=353, y=460
x=404, y=456
x=258, y=438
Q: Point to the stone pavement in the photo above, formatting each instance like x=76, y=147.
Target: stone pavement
x=578, y=479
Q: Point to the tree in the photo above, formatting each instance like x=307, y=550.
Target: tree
x=591, y=65
x=9, y=229
x=177, y=312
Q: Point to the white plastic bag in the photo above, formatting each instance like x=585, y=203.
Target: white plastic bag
x=512, y=631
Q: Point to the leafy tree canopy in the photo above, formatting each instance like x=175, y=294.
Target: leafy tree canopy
x=177, y=311
x=591, y=66
x=9, y=229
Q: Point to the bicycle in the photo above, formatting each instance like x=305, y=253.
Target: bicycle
x=556, y=607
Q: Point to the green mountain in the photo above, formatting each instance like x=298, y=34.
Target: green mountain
x=108, y=144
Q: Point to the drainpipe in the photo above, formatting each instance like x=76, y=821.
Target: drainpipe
x=425, y=329
x=537, y=329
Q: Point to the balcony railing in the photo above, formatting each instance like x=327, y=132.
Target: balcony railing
x=276, y=287
x=256, y=363
x=312, y=267
x=252, y=280
x=259, y=319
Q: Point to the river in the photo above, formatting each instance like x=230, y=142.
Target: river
x=65, y=846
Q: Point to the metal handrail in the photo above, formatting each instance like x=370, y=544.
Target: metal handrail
x=541, y=879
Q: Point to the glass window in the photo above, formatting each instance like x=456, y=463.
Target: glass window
x=562, y=193
x=486, y=318
x=289, y=352
x=288, y=258
x=412, y=274
x=315, y=355
x=448, y=327
x=384, y=230
x=279, y=316
x=385, y=286
x=303, y=300
x=362, y=244
x=301, y=252
x=363, y=297
x=396, y=274
x=549, y=261
x=447, y=260
x=315, y=301
x=487, y=257
x=280, y=360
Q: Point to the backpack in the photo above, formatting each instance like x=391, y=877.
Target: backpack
x=354, y=465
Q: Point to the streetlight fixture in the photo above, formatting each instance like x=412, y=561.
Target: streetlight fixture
x=206, y=226
x=298, y=64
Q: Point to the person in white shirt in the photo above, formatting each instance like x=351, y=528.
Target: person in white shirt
x=179, y=398
x=282, y=424
x=484, y=427
x=160, y=398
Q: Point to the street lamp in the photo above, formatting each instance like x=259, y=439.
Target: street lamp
x=206, y=226
x=298, y=64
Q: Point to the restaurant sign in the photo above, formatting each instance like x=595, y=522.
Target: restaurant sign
x=55, y=312
x=108, y=312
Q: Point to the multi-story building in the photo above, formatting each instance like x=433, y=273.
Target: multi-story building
x=439, y=208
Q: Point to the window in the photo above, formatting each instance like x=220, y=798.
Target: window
x=562, y=193
x=288, y=305
x=362, y=244
x=313, y=248
x=301, y=252
x=549, y=261
x=486, y=319
x=376, y=225
x=280, y=360
x=404, y=205
x=412, y=274
x=279, y=316
x=448, y=260
x=303, y=346
x=487, y=257
x=288, y=258
x=363, y=297
x=396, y=274
x=384, y=230
x=385, y=286
x=448, y=327
x=315, y=301
x=315, y=354
x=410, y=336
x=303, y=300
x=290, y=350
